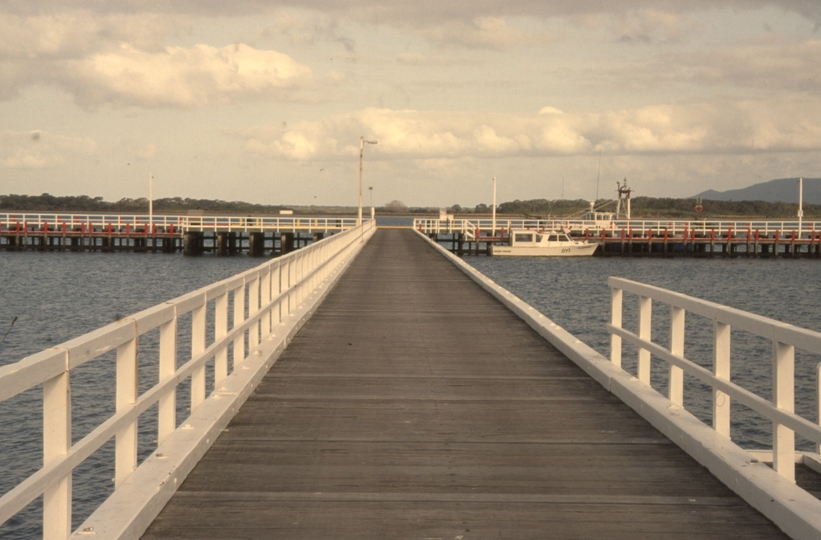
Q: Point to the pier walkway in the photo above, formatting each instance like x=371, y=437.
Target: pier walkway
x=414, y=405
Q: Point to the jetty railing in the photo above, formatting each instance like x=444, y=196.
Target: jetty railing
x=169, y=223
x=673, y=228
x=785, y=339
x=276, y=292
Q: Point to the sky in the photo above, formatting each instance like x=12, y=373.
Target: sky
x=265, y=101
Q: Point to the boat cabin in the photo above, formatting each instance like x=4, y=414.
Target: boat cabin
x=533, y=237
x=606, y=217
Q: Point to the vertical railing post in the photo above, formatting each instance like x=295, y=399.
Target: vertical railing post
x=818, y=401
x=198, y=319
x=309, y=267
x=784, y=399
x=294, y=283
x=616, y=298
x=300, y=294
x=287, y=283
x=676, y=379
x=645, y=334
x=125, y=456
x=721, y=369
x=56, y=444
x=167, y=415
x=253, y=308
x=239, y=318
x=220, y=331
x=266, y=299
x=276, y=289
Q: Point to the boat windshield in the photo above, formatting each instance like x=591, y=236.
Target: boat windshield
x=553, y=238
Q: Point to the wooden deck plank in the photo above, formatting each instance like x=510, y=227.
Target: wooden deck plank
x=413, y=405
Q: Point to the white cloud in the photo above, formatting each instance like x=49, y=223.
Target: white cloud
x=709, y=128
x=39, y=149
x=418, y=59
x=185, y=76
x=74, y=34
x=482, y=32
x=651, y=26
x=785, y=66
x=122, y=59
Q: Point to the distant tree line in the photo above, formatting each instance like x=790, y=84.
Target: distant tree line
x=84, y=203
x=648, y=207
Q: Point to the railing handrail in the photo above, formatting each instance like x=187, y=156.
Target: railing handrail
x=181, y=222
x=737, y=227
x=274, y=289
x=785, y=338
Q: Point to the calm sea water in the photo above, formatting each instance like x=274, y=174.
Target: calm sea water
x=58, y=296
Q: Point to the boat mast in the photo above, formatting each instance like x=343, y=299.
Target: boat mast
x=624, y=191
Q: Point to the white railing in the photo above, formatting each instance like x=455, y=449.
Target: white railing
x=674, y=228
x=274, y=291
x=134, y=223
x=785, y=339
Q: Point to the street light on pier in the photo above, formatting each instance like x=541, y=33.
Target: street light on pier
x=362, y=142
x=370, y=188
x=150, y=201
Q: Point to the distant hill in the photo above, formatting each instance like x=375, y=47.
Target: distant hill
x=782, y=190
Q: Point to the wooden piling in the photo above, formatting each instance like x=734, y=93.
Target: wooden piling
x=256, y=244
x=193, y=243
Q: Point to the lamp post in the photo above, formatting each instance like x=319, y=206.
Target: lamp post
x=362, y=142
x=493, y=233
x=150, y=201
x=800, y=204
x=373, y=213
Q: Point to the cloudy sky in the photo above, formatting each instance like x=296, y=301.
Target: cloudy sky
x=265, y=100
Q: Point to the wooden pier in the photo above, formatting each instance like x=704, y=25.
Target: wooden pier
x=414, y=405
x=763, y=239
x=191, y=234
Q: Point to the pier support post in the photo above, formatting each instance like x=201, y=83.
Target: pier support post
x=222, y=244
x=233, y=243
x=192, y=243
x=256, y=244
x=286, y=242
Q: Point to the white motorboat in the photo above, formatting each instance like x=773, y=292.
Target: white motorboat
x=527, y=243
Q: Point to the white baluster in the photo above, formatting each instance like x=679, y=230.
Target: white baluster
x=616, y=298
x=784, y=399
x=676, y=379
x=721, y=369
x=56, y=444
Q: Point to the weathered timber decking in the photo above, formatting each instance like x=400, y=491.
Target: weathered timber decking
x=413, y=405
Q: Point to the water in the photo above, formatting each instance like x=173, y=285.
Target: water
x=56, y=297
